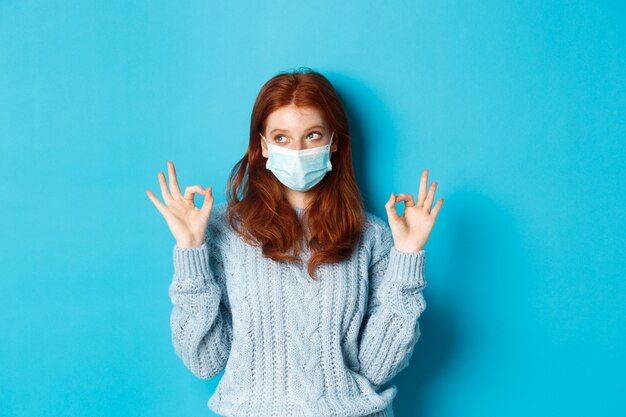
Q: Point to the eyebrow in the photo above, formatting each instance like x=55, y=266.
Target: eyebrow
x=310, y=128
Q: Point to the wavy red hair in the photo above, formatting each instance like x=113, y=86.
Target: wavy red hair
x=257, y=206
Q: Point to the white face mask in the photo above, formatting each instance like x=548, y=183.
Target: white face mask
x=299, y=169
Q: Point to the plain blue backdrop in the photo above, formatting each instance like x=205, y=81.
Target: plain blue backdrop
x=518, y=109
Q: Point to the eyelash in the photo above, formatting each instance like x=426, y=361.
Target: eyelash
x=278, y=136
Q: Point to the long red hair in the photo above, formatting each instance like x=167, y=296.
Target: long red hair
x=257, y=206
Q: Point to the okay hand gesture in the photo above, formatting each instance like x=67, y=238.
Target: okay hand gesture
x=411, y=230
x=187, y=223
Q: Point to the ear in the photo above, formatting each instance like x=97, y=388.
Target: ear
x=263, y=146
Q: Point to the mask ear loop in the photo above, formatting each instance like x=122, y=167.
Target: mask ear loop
x=265, y=139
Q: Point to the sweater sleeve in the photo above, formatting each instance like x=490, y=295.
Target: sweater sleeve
x=390, y=325
x=201, y=321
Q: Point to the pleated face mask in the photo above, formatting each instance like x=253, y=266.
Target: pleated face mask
x=299, y=169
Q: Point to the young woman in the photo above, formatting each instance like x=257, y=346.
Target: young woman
x=308, y=303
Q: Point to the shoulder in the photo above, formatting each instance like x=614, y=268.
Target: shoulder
x=375, y=227
x=377, y=237
x=218, y=229
x=374, y=221
x=219, y=209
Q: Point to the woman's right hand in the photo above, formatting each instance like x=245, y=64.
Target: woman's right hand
x=187, y=223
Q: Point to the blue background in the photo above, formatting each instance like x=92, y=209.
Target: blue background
x=516, y=108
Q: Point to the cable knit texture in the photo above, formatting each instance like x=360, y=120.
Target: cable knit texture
x=290, y=345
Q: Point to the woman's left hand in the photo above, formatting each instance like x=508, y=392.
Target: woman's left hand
x=411, y=230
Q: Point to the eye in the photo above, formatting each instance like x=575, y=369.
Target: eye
x=315, y=133
x=277, y=137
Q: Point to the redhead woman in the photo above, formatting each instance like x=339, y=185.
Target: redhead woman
x=306, y=301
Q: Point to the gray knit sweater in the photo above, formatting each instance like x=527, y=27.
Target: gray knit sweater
x=290, y=345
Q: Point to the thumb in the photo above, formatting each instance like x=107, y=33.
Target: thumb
x=207, y=205
x=390, y=205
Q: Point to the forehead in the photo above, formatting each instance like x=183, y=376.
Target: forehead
x=292, y=117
